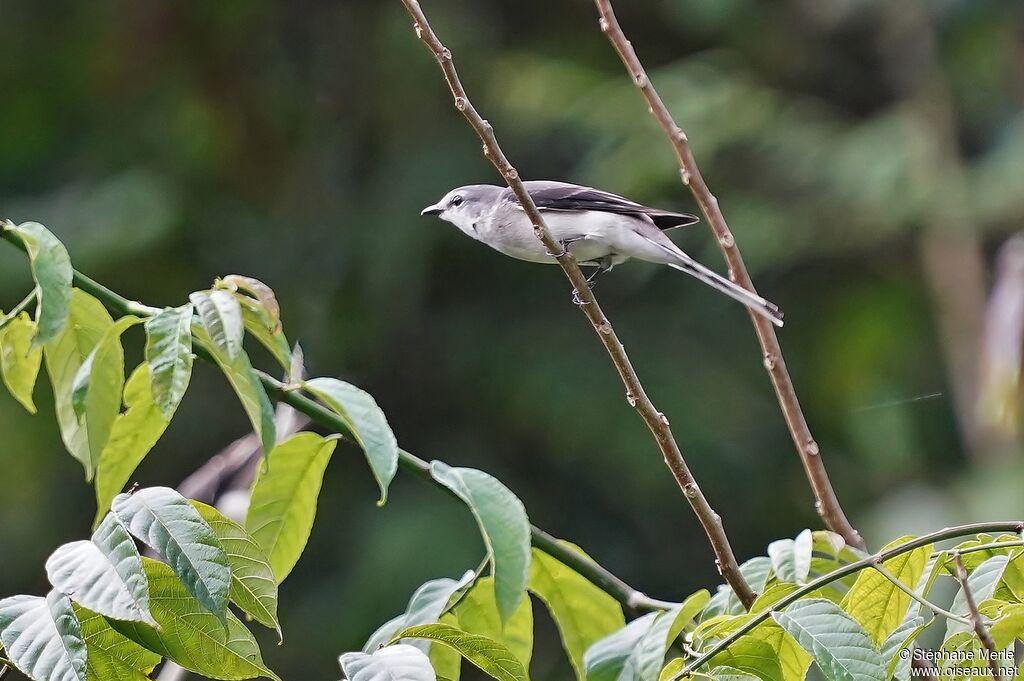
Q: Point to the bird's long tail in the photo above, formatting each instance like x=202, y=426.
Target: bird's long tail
x=768, y=310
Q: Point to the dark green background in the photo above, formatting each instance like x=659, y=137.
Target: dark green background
x=171, y=142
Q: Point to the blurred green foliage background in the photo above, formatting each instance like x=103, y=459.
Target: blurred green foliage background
x=868, y=156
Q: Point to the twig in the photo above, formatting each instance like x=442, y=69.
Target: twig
x=627, y=596
x=881, y=569
x=635, y=394
x=826, y=502
x=844, y=571
x=975, y=617
x=18, y=309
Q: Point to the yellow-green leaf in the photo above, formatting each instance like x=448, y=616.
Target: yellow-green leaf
x=88, y=322
x=582, y=612
x=192, y=636
x=284, y=497
x=878, y=604
x=133, y=435
x=253, y=587
x=20, y=359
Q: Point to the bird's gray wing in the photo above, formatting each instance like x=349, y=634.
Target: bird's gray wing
x=562, y=196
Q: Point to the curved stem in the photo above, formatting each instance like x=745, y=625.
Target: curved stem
x=848, y=569
x=656, y=421
x=826, y=502
x=18, y=309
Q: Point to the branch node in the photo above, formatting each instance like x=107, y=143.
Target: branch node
x=811, y=448
x=663, y=418
x=605, y=24
x=460, y=103
x=727, y=240
x=769, y=362
x=691, y=490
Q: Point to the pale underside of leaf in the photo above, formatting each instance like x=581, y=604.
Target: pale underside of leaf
x=369, y=426
x=104, y=573
x=395, y=663
x=168, y=524
x=42, y=637
x=504, y=527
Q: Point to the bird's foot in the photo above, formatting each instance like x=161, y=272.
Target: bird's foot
x=564, y=245
x=576, y=300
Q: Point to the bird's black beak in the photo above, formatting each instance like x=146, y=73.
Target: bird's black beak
x=432, y=210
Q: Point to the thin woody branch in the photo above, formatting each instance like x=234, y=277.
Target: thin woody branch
x=635, y=394
x=976, y=621
x=826, y=502
x=631, y=599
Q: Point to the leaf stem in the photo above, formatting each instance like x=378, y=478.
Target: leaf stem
x=844, y=571
x=637, y=397
x=826, y=502
x=881, y=569
x=980, y=630
x=19, y=308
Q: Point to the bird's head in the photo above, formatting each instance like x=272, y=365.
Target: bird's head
x=464, y=206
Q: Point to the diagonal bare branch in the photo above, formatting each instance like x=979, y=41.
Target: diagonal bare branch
x=826, y=502
x=977, y=623
x=635, y=395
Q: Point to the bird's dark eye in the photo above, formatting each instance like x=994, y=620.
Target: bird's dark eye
x=456, y=200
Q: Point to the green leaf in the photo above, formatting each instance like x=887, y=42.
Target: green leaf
x=364, y=418
x=169, y=356
x=20, y=359
x=687, y=611
x=447, y=662
x=190, y=635
x=898, y=640
x=88, y=322
x=791, y=559
x=41, y=636
x=102, y=373
x=673, y=669
x=394, y=663
x=103, y=574
x=477, y=613
x=168, y=524
x=836, y=641
x=425, y=607
x=257, y=325
x=756, y=571
x=261, y=294
x=982, y=582
x=284, y=496
x=133, y=435
x=221, y=317
x=582, y=612
x=634, y=653
x=767, y=651
x=503, y=525
x=51, y=270
x=875, y=602
x=247, y=386
x=491, y=657
x=1005, y=621
x=253, y=587
x=110, y=654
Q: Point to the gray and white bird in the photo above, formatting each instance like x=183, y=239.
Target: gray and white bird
x=599, y=228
